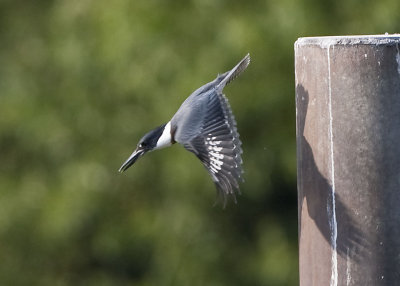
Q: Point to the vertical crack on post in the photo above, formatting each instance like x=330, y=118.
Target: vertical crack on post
x=348, y=268
x=332, y=214
x=398, y=58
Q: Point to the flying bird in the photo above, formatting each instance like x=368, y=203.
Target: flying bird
x=204, y=124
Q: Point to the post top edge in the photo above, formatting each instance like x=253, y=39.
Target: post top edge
x=326, y=41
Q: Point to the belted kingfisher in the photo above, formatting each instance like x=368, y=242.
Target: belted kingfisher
x=205, y=126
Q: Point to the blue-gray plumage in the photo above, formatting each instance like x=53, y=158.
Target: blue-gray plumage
x=204, y=125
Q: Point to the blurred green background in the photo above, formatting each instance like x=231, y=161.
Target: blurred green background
x=82, y=81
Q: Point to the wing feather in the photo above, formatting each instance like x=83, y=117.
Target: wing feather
x=218, y=146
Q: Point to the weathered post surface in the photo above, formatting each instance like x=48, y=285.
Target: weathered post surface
x=348, y=151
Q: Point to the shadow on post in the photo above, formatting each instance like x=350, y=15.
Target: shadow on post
x=317, y=191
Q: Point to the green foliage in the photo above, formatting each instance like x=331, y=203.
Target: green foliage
x=82, y=81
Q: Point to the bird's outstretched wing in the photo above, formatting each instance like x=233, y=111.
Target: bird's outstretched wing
x=218, y=146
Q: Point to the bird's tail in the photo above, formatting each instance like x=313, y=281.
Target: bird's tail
x=233, y=73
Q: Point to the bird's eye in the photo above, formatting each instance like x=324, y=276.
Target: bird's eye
x=142, y=145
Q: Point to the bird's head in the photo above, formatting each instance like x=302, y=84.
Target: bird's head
x=155, y=139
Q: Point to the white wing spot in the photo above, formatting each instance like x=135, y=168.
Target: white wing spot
x=217, y=155
x=213, y=169
x=216, y=149
x=214, y=153
x=216, y=164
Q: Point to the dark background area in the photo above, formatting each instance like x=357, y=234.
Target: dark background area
x=82, y=81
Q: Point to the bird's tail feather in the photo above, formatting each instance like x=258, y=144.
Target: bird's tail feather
x=234, y=73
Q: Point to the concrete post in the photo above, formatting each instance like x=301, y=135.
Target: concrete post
x=348, y=151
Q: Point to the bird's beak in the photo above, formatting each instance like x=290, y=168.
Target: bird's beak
x=132, y=159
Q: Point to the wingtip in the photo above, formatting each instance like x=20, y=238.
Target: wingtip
x=235, y=72
x=247, y=58
x=245, y=62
